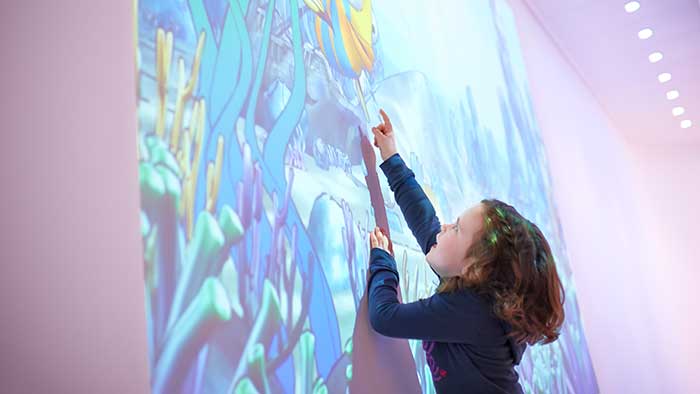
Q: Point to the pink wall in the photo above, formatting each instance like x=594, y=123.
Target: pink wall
x=669, y=187
x=72, y=316
x=627, y=214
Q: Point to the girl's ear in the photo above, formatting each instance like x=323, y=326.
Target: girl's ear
x=467, y=263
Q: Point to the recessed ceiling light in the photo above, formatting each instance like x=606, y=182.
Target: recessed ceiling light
x=664, y=77
x=686, y=123
x=655, y=57
x=645, y=33
x=672, y=94
x=632, y=6
x=678, y=111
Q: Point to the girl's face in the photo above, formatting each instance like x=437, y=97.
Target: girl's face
x=448, y=256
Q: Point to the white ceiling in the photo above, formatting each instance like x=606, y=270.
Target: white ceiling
x=600, y=40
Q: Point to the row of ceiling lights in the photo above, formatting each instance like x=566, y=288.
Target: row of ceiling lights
x=656, y=57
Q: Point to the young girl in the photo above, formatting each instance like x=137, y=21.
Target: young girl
x=499, y=288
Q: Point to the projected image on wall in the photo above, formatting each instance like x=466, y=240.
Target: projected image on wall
x=259, y=183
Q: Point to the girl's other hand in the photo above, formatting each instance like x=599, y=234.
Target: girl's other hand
x=377, y=239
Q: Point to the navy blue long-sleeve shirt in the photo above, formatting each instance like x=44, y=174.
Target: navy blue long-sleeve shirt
x=466, y=345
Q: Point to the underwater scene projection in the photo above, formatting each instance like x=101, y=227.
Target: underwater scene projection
x=259, y=184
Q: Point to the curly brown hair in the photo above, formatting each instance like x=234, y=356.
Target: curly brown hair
x=513, y=267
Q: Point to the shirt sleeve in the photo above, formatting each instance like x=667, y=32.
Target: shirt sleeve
x=415, y=205
x=442, y=317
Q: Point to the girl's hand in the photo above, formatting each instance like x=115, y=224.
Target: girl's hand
x=377, y=239
x=384, y=137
